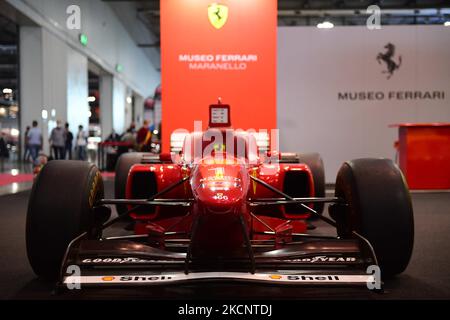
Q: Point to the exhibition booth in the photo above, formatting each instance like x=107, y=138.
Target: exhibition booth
x=230, y=150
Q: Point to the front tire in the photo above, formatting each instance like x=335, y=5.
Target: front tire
x=379, y=208
x=60, y=208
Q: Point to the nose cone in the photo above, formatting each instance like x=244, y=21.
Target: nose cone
x=219, y=186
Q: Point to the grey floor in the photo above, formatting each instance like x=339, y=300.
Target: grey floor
x=6, y=165
x=427, y=277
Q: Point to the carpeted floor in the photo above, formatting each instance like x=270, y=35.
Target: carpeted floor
x=7, y=178
x=427, y=277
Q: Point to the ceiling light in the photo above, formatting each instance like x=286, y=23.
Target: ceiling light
x=129, y=100
x=325, y=25
x=91, y=99
x=7, y=91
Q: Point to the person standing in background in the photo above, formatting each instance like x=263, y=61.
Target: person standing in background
x=81, y=143
x=132, y=128
x=142, y=135
x=34, y=138
x=130, y=139
x=4, y=152
x=113, y=137
x=27, y=153
x=69, y=141
x=58, y=141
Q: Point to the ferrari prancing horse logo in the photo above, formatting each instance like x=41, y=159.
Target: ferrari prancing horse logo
x=218, y=15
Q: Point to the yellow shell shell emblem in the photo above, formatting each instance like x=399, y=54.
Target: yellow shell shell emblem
x=108, y=278
x=218, y=15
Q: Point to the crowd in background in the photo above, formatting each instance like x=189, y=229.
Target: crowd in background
x=61, y=142
x=139, y=140
x=65, y=145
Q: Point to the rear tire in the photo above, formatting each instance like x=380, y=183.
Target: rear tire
x=379, y=208
x=315, y=164
x=123, y=166
x=59, y=210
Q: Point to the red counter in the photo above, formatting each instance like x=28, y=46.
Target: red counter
x=424, y=154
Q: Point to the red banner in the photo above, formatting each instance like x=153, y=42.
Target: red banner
x=221, y=49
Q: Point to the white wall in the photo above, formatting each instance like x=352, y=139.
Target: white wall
x=77, y=91
x=55, y=76
x=314, y=65
x=138, y=109
x=43, y=86
x=32, y=82
x=54, y=64
x=118, y=108
x=128, y=108
x=106, y=103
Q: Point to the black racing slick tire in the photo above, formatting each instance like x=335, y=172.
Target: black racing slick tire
x=60, y=208
x=379, y=208
x=315, y=164
x=123, y=166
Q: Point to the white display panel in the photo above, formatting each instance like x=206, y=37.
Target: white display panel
x=316, y=65
x=219, y=115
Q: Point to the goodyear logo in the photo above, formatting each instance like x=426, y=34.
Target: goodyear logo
x=94, y=189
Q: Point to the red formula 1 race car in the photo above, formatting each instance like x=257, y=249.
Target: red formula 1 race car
x=220, y=211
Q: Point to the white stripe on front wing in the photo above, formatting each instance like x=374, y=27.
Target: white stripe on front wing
x=258, y=277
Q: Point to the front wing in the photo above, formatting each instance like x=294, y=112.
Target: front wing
x=276, y=278
x=130, y=263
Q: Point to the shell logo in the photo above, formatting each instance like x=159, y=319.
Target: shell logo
x=275, y=276
x=108, y=278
